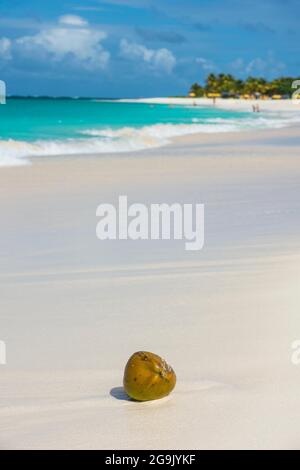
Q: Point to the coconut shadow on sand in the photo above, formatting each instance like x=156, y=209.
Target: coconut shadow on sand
x=119, y=394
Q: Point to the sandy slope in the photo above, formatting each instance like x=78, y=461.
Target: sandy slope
x=72, y=309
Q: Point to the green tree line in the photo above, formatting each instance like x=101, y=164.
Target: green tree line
x=228, y=85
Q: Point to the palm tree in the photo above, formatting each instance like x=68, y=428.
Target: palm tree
x=197, y=89
x=211, y=83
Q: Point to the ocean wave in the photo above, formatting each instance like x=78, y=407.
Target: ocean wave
x=129, y=139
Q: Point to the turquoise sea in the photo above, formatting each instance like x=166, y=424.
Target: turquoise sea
x=45, y=127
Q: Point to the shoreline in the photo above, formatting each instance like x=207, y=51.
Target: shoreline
x=250, y=137
x=274, y=115
x=288, y=133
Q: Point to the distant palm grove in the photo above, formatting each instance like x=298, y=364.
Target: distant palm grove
x=227, y=85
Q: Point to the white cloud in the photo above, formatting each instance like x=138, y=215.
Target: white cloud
x=158, y=59
x=72, y=38
x=267, y=67
x=256, y=65
x=238, y=65
x=5, y=48
x=206, y=65
x=72, y=20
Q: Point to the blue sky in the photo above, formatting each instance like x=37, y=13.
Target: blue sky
x=136, y=48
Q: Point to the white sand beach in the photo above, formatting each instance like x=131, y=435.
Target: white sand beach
x=73, y=309
x=234, y=104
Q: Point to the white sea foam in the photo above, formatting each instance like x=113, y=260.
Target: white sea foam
x=128, y=139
